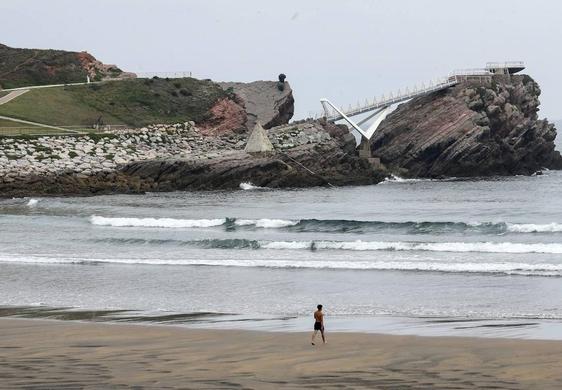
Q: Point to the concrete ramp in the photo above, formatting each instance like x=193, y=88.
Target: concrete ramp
x=12, y=95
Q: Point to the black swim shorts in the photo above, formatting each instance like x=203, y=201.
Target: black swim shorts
x=317, y=326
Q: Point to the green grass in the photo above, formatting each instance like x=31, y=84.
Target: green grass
x=134, y=102
x=53, y=106
x=10, y=128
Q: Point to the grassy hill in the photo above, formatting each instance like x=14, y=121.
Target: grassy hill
x=134, y=102
x=25, y=67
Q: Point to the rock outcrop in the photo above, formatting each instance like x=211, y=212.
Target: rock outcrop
x=25, y=67
x=473, y=129
x=178, y=157
x=264, y=102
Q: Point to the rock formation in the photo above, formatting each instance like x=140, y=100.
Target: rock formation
x=25, y=67
x=264, y=102
x=178, y=157
x=472, y=129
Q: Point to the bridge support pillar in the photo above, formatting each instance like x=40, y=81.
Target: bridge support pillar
x=365, y=148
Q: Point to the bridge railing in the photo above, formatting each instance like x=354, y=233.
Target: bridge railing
x=507, y=64
x=163, y=75
x=393, y=98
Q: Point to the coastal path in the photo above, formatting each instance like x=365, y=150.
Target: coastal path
x=61, y=129
x=12, y=95
x=18, y=92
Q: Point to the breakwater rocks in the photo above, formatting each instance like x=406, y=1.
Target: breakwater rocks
x=473, y=129
x=177, y=157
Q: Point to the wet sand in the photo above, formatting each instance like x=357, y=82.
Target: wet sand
x=41, y=354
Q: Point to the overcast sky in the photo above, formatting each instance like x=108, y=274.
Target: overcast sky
x=343, y=50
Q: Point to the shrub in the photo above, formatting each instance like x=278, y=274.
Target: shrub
x=177, y=84
x=174, y=93
x=185, y=92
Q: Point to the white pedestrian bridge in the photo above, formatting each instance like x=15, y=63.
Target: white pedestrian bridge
x=380, y=107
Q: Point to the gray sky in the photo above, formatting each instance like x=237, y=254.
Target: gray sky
x=343, y=50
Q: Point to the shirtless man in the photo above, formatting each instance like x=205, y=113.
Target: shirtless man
x=318, y=324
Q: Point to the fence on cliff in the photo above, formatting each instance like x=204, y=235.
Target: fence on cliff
x=72, y=130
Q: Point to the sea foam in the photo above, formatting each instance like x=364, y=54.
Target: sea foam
x=156, y=222
x=266, y=223
x=247, y=186
x=534, y=228
x=485, y=247
x=509, y=268
x=32, y=202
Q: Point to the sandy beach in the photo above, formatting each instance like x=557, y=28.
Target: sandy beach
x=63, y=354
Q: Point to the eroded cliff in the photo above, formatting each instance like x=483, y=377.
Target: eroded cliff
x=473, y=129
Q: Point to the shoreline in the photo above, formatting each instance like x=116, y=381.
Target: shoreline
x=522, y=328
x=65, y=353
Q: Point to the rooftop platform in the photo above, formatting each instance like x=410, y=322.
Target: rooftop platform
x=509, y=67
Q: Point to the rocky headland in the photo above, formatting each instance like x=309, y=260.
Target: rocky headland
x=24, y=67
x=472, y=129
x=477, y=128
x=179, y=157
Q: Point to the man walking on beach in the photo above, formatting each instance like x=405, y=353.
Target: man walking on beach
x=319, y=324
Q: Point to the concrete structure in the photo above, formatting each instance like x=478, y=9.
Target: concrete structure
x=258, y=142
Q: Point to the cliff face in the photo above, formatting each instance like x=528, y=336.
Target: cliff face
x=26, y=67
x=472, y=129
x=264, y=102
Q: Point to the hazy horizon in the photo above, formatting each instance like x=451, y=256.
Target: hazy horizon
x=345, y=51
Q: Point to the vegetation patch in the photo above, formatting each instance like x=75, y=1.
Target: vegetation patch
x=133, y=102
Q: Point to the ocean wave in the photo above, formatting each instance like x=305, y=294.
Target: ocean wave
x=534, y=228
x=156, y=222
x=508, y=268
x=266, y=223
x=358, y=245
x=333, y=226
x=248, y=186
x=32, y=202
x=483, y=247
x=398, y=179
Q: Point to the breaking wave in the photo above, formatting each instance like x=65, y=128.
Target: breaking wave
x=525, y=269
x=533, y=228
x=332, y=226
x=32, y=202
x=156, y=222
x=265, y=223
x=457, y=247
x=398, y=179
x=247, y=186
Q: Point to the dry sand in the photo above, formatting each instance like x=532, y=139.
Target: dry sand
x=63, y=354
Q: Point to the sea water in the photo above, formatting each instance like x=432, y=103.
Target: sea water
x=471, y=257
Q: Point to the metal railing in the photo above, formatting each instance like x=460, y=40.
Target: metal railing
x=455, y=77
x=72, y=130
x=506, y=64
x=398, y=97
x=163, y=75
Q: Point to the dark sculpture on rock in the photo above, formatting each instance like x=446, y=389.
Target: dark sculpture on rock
x=281, y=82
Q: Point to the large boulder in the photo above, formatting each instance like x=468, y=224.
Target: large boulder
x=472, y=129
x=264, y=102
